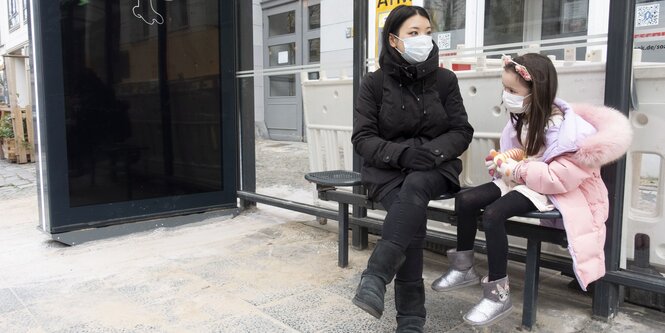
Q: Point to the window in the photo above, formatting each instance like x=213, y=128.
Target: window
x=504, y=21
x=282, y=54
x=12, y=11
x=4, y=90
x=283, y=85
x=315, y=50
x=646, y=182
x=143, y=120
x=282, y=23
x=564, y=18
x=448, y=21
x=446, y=15
x=314, y=17
x=25, y=10
x=178, y=17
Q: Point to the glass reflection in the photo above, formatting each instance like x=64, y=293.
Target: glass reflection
x=142, y=99
x=504, y=21
x=315, y=50
x=282, y=23
x=282, y=54
x=314, y=17
x=282, y=85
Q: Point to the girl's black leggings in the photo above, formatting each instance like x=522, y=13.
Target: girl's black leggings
x=498, y=209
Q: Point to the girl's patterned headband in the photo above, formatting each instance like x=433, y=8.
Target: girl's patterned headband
x=520, y=69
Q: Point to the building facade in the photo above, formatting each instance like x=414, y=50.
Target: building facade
x=14, y=41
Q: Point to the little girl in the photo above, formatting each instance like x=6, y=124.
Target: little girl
x=565, y=148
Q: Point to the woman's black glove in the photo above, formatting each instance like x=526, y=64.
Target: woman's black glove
x=416, y=159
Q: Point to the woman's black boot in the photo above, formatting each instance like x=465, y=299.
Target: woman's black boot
x=381, y=269
x=410, y=306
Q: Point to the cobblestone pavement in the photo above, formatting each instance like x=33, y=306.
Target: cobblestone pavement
x=17, y=180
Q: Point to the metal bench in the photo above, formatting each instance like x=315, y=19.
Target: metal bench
x=328, y=181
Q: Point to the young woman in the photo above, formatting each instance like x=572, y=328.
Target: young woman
x=564, y=152
x=410, y=126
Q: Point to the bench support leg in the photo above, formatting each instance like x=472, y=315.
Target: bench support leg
x=531, y=284
x=343, y=241
x=359, y=237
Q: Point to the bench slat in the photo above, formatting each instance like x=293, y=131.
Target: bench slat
x=334, y=178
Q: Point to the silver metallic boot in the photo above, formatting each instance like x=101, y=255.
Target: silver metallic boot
x=460, y=274
x=495, y=305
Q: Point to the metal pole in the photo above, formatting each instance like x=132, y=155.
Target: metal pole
x=607, y=295
x=165, y=97
x=360, y=31
x=247, y=158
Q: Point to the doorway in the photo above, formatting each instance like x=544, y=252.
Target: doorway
x=291, y=39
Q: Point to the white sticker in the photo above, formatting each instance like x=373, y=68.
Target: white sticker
x=283, y=57
x=647, y=15
x=443, y=40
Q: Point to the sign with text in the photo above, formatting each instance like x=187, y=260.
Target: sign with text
x=383, y=8
x=650, y=31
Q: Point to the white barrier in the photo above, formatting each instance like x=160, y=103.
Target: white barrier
x=644, y=199
x=328, y=106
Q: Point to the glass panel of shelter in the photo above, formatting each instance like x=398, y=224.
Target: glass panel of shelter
x=136, y=107
x=498, y=22
x=643, y=235
x=312, y=38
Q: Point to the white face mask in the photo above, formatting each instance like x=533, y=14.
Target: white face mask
x=514, y=103
x=416, y=49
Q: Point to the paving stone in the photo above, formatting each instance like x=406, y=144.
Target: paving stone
x=8, y=302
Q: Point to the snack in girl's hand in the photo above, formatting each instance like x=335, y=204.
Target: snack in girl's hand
x=492, y=160
x=516, y=154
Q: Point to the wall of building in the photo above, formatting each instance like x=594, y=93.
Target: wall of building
x=259, y=101
x=337, y=37
x=14, y=40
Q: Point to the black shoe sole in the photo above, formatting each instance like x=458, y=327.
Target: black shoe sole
x=367, y=308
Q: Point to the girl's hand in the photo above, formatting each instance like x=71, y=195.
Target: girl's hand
x=507, y=168
x=489, y=162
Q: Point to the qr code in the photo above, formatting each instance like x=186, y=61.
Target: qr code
x=647, y=15
x=443, y=41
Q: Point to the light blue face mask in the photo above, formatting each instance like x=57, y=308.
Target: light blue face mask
x=416, y=49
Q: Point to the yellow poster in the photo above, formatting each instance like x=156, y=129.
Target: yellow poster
x=383, y=8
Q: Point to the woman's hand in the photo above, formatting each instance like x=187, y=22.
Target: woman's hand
x=417, y=159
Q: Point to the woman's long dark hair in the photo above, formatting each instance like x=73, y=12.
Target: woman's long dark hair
x=394, y=21
x=543, y=87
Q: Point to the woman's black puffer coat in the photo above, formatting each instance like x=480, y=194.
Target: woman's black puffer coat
x=410, y=114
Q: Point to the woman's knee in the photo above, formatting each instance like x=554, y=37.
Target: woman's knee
x=418, y=240
x=415, y=190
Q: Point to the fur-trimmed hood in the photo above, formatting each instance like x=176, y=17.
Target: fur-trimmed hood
x=612, y=139
x=595, y=135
